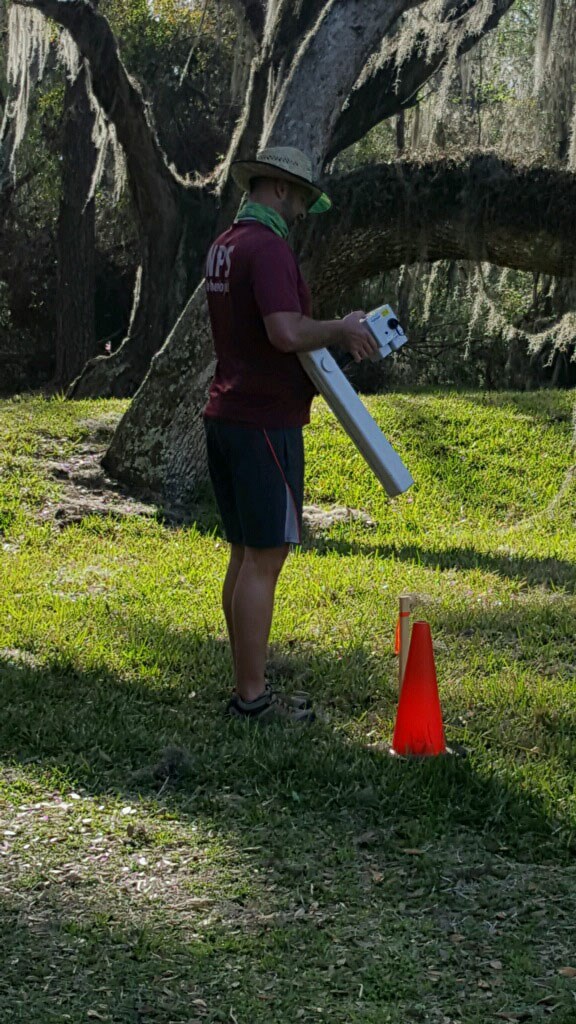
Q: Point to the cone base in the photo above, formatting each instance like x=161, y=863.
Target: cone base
x=453, y=750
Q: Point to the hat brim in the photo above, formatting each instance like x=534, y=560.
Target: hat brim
x=243, y=171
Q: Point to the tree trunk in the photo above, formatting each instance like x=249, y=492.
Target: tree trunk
x=177, y=232
x=483, y=209
x=309, y=103
x=158, y=448
x=392, y=85
x=75, y=330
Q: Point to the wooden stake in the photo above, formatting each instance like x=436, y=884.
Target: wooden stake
x=406, y=602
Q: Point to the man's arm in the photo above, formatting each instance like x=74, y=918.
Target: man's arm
x=293, y=332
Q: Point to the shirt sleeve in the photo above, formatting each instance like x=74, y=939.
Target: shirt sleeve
x=275, y=279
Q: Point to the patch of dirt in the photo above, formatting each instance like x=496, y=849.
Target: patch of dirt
x=18, y=658
x=87, y=491
x=317, y=519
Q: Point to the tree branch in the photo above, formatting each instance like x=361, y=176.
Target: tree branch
x=119, y=98
x=174, y=219
x=480, y=209
x=391, y=88
x=308, y=104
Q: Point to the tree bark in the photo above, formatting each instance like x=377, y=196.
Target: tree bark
x=279, y=37
x=75, y=314
x=158, y=447
x=171, y=258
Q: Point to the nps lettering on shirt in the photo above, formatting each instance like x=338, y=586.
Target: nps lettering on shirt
x=218, y=267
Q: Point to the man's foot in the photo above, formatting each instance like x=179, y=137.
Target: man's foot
x=270, y=706
x=298, y=699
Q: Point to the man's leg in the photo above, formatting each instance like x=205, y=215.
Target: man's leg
x=234, y=565
x=252, y=608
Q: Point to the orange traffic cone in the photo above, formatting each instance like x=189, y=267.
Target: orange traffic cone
x=419, y=728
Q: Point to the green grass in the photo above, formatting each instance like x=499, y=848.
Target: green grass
x=160, y=866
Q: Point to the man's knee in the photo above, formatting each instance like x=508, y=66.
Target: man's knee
x=237, y=554
x=267, y=561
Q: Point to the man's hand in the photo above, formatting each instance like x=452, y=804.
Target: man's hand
x=293, y=332
x=356, y=338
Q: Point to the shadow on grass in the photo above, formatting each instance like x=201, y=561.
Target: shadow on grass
x=554, y=573
x=167, y=732
x=307, y=815
x=542, y=406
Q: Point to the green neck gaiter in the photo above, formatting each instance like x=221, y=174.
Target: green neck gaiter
x=264, y=215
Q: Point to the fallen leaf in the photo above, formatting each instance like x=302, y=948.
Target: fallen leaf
x=413, y=851
x=377, y=877
x=366, y=838
x=496, y=965
x=483, y=984
x=567, y=972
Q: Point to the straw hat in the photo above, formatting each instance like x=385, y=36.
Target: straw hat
x=282, y=162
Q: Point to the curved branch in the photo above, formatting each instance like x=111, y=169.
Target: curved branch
x=172, y=216
x=118, y=96
x=482, y=209
x=391, y=88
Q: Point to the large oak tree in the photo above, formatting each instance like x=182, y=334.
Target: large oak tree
x=324, y=72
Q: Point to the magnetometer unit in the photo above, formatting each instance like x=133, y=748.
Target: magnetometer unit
x=384, y=326
x=332, y=384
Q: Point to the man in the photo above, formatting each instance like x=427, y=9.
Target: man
x=259, y=401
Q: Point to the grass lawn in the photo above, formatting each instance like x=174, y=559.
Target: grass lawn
x=159, y=865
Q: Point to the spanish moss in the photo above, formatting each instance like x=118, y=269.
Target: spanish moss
x=28, y=46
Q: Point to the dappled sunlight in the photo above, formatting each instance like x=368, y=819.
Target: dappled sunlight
x=160, y=859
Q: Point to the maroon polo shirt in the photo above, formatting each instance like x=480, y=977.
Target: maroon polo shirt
x=250, y=273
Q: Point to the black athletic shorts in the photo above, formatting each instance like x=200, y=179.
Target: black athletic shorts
x=258, y=479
